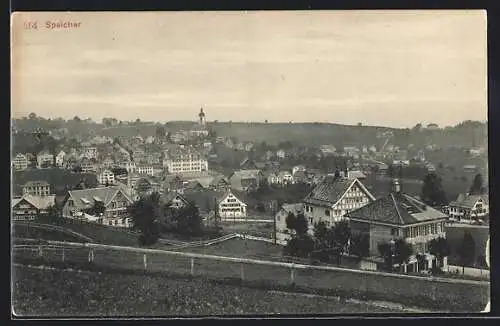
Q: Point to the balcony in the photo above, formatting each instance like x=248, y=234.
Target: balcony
x=425, y=238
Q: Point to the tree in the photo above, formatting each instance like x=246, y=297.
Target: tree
x=54, y=213
x=320, y=235
x=467, y=250
x=290, y=221
x=32, y=116
x=360, y=245
x=145, y=214
x=402, y=251
x=301, y=225
x=385, y=252
x=432, y=190
x=186, y=220
x=97, y=209
x=440, y=248
x=77, y=119
x=477, y=187
x=341, y=235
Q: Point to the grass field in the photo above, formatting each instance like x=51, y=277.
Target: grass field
x=66, y=293
x=25, y=231
x=240, y=248
x=421, y=292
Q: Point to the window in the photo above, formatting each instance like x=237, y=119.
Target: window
x=71, y=203
x=327, y=212
x=394, y=231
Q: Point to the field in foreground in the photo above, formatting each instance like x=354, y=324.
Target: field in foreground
x=66, y=293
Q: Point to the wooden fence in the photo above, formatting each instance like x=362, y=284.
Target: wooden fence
x=439, y=293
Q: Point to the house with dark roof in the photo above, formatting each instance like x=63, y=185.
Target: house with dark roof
x=400, y=216
x=333, y=198
x=467, y=207
x=29, y=207
x=114, y=199
x=246, y=179
x=282, y=232
x=174, y=200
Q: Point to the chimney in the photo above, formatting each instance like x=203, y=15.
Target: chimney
x=396, y=186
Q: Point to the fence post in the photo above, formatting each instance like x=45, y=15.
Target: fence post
x=192, y=266
x=242, y=272
x=145, y=258
x=292, y=273
x=91, y=255
x=63, y=253
x=40, y=252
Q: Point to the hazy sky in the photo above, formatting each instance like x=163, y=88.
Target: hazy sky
x=391, y=68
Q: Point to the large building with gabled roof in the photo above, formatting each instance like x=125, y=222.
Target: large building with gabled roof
x=333, y=198
x=115, y=201
x=399, y=216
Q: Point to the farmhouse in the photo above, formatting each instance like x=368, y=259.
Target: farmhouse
x=60, y=159
x=106, y=177
x=174, y=200
x=469, y=207
x=399, y=215
x=20, y=162
x=114, y=199
x=29, y=207
x=335, y=197
x=231, y=206
x=282, y=232
x=44, y=160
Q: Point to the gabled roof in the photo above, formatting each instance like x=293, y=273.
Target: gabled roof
x=295, y=209
x=40, y=202
x=168, y=197
x=397, y=209
x=228, y=192
x=85, y=198
x=246, y=174
x=36, y=183
x=468, y=201
x=329, y=191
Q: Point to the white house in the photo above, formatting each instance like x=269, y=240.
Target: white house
x=333, y=198
x=286, y=177
x=298, y=168
x=44, y=160
x=148, y=170
x=281, y=154
x=229, y=206
x=90, y=152
x=20, y=162
x=106, y=177
x=469, y=207
x=60, y=159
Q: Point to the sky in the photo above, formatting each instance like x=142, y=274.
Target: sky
x=390, y=68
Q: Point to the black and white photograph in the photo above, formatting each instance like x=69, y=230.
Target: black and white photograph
x=249, y=163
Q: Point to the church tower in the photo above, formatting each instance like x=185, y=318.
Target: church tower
x=201, y=115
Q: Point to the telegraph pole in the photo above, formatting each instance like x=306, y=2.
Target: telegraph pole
x=273, y=213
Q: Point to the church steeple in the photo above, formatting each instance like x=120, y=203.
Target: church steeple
x=201, y=115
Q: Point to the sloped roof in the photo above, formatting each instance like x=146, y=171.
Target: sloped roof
x=468, y=201
x=86, y=198
x=36, y=183
x=397, y=209
x=357, y=174
x=166, y=198
x=40, y=202
x=246, y=174
x=293, y=208
x=329, y=191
